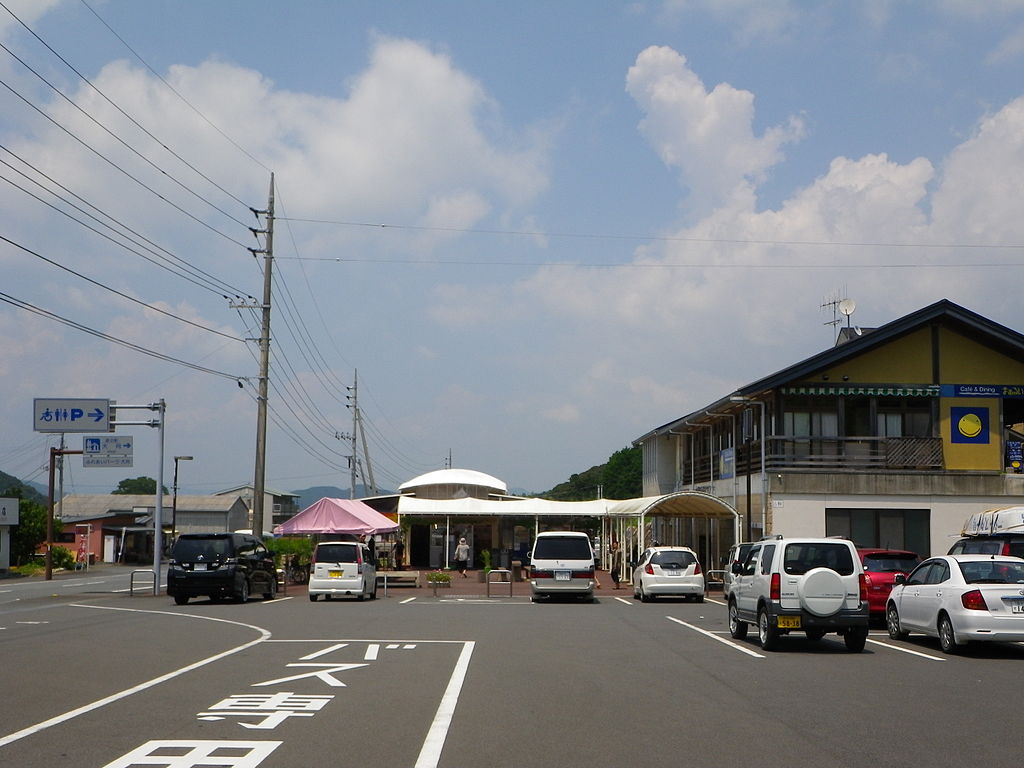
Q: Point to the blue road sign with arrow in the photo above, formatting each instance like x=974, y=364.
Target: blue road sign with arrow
x=71, y=415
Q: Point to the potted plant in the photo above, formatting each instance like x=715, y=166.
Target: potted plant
x=439, y=579
x=485, y=558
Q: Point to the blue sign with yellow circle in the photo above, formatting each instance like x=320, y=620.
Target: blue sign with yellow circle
x=969, y=425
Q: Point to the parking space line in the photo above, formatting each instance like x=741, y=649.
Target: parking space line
x=430, y=754
x=906, y=650
x=407, y=600
x=713, y=636
x=624, y=600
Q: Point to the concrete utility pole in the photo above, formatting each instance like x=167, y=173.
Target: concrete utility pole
x=261, y=411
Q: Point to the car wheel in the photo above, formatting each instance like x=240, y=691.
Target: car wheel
x=855, y=638
x=814, y=635
x=644, y=597
x=312, y=598
x=273, y=591
x=180, y=599
x=243, y=592
x=947, y=638
x=892, y=623
x=737, y=628
x=766, y=633
x=698, y=598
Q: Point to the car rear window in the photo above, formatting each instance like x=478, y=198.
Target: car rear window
x=800, y=558
x=562, y=548
x=993, y=572
x=212, y=548
x=891, y=563
x=673, y=559
x=982, y=547
x=336, y=553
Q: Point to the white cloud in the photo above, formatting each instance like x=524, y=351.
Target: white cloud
x=707, y=135
x=1010, y=48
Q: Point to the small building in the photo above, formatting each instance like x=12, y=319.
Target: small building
x=278, y=506
x=892, y=437
x=119, y=527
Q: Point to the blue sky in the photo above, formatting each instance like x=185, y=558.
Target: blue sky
x=599, y=216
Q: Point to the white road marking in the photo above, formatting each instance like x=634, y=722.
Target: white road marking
x=324, y=652
x=713, y=636
x=407, y=600
x=430, y=754
x=277, y=600
x=624, y=600
x=907, y=650
x=32, y=729
x=372, y=652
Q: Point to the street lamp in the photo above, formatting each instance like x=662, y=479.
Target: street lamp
x=174, y=498
x=764, y=476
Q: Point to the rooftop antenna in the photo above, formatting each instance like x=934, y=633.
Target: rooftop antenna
x=834, y=302
x=846, y=307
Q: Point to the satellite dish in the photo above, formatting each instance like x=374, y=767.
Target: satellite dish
x=846, y=306
x=858, y=330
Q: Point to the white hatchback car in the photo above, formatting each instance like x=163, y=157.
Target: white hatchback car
x=960, y=598
x=342, y=568
x=670, y=571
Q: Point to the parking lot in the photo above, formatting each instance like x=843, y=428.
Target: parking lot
x=462, y=679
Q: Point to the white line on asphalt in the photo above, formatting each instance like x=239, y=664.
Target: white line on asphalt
x=907, y=650
x=277, y=600
x=430, y=754
x=32, y=729
x=716, y=602
x=623, y=600
x=407, y=600
x=713, y=636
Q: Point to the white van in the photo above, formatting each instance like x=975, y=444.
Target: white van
x=562, y=563
x=342, y=568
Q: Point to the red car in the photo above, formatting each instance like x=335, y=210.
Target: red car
x=880, y=568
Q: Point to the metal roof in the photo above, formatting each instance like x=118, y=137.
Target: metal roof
x=94, y=506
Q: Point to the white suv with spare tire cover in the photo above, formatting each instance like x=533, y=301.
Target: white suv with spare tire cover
x=815, y=586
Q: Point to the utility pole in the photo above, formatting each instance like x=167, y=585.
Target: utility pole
x=261, y=417
x=354, y=459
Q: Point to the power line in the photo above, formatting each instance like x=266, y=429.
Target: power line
x=117, y=292
x=108, y=337
x=173, y=90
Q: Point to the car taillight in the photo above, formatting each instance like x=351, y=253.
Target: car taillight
x=649, y=569
x=974, y=600
x=775, y=592
x=1006, y=547
x=359, y=568
x=539, y=574
x=867, y=579
x=696, y=568
x=863, y=581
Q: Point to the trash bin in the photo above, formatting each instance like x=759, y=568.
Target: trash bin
x=517, y=570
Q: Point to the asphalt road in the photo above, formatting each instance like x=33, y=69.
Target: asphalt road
x=93, y=677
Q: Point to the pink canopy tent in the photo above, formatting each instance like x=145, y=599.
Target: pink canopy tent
x=338, y=516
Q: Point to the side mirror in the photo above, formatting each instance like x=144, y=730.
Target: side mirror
x=737, y=568
x=899, y=578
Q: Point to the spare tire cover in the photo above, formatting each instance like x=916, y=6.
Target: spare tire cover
x=821, y=592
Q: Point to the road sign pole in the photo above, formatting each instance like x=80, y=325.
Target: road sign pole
x=54, y=453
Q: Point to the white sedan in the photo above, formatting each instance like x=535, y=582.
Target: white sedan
x=958, y=599
x=668, y=571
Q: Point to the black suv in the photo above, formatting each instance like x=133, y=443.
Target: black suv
x=220, y=566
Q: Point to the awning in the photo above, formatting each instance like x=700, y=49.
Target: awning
x=923, y=390
x=337, y=516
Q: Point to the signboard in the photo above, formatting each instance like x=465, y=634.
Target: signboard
x=8, y=511
x=969, y=425
x=982, y=390
x=107, y=451
x=70, y=414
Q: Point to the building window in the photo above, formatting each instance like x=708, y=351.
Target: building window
x=908, y=529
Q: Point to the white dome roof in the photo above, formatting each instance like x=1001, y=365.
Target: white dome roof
x=455, y=477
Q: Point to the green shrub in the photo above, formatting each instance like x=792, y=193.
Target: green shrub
x=286, y=546
x=63, y=558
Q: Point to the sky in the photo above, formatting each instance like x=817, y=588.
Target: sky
x=532, y=231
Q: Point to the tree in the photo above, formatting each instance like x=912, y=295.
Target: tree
x=623, y=474
x=30, y=531
x=140, y=485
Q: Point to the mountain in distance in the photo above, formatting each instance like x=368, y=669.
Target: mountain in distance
x=32, y=491
x=312, y=495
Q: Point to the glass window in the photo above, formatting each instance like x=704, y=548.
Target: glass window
x=801, y=558
x=767, y=557
x=750, y=565
x=675, y=558
x=336, y=553
x=920, y=574
x=939, y=572
x=993, y=572
x=562, y=548
x=906, y=529
x=891, y=562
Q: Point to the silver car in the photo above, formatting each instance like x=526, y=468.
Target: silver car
x=669, y=571
x=959, y=599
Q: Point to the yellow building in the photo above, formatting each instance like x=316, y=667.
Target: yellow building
x=892, y=437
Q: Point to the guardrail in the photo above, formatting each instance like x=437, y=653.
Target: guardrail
x=131, y=579
x=504, y=572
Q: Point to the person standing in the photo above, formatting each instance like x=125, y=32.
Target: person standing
x=462, y=557
x=399, y=554
x=615, y=565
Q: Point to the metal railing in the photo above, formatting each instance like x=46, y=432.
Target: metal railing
x=131, y=579
x=507, y=579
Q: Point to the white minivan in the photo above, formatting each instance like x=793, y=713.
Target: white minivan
x=342, y=568
x=562, y=563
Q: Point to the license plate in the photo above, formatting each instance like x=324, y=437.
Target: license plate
x=334, y=574
x=672, y=572
x=1017, y=606
x=789, y=622
x=563, y=575
x=199, y=567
